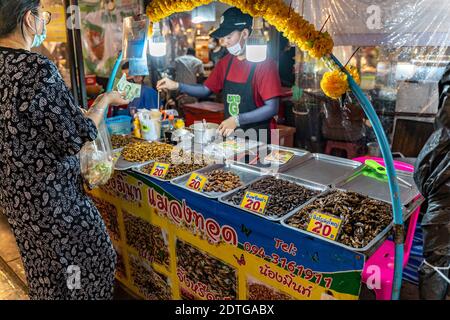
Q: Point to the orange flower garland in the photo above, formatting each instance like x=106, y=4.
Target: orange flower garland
x=296, y=29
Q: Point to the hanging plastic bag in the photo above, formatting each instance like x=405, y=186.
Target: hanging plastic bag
x=432, y=176
x=96, y=159
x=135, y=33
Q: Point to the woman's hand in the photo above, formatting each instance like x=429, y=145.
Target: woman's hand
x=167, y=84
x=98, y=109
x=227, y=127
x=115, y=98
x=83, y=111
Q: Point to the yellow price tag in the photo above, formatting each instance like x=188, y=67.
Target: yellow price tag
x=255, y=202
x=160, y=170
x=196, y=182
x=324, y=225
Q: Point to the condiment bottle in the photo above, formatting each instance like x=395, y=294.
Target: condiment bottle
x=137, y=127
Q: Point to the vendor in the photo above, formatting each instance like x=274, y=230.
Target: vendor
x=149, y=96
x=251, y=90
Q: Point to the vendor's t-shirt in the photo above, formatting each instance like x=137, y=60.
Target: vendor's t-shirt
x=266, y=81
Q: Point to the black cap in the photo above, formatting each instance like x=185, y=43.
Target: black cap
x=233, y=19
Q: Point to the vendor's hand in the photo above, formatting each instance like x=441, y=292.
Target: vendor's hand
x=167, y=84
x=227, y=127
x=170, y=104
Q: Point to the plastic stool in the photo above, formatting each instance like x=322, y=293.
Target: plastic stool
x=384, y=257
x=351, y=149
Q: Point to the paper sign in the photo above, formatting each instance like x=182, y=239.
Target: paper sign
x=255, y=202
x=324, y=225
x=196, y=182
x=160, y=170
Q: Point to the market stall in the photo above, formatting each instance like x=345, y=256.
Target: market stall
x=177, y=239
x=328, y=206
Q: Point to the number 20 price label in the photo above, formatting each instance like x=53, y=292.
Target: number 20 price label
x=160, y=170
x=324, y=225
x=255, y=202
x=196, y=182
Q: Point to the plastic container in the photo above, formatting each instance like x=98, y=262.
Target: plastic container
x=119, y=125
x=150, y=127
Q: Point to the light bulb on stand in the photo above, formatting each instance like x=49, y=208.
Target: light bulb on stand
x=256, y=49
x=157, y=43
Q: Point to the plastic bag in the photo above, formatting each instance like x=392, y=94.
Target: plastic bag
x=96, y=159
x=432, y=176
x=135, y=32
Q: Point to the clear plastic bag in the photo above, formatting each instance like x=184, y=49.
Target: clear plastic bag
x=135, y=33
x=96, y=159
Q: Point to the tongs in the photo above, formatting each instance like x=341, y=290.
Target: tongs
x=372, y=164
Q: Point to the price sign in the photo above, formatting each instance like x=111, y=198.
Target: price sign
x=196, y=182
x=160, y=170
x=255, y=202
x=324, y=225
x=278, y=156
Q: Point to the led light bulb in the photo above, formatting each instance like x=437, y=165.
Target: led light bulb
x=256, y=49
x=157, y=43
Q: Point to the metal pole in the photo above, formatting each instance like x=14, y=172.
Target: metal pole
x=79, y=60
x=392, y=180
x=71, y=54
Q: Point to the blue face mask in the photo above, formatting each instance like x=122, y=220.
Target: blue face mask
x=39, y=39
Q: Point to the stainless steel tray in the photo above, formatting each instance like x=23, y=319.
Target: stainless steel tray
x=139, y=169
x=246, y=173
x=216, y=149
x=123, y=164
x=373, y=245
x=366, y=182
x=323, y=169
x=307, y=184
x=256, y=161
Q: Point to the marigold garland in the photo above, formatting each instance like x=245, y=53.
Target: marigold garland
x=296, y=29
x=292, y=25
x=335, y=83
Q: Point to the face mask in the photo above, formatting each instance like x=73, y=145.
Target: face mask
x=236, y=49
x=211, y=46
x=39, y=39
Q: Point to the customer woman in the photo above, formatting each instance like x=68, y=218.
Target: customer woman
x=62, y=239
